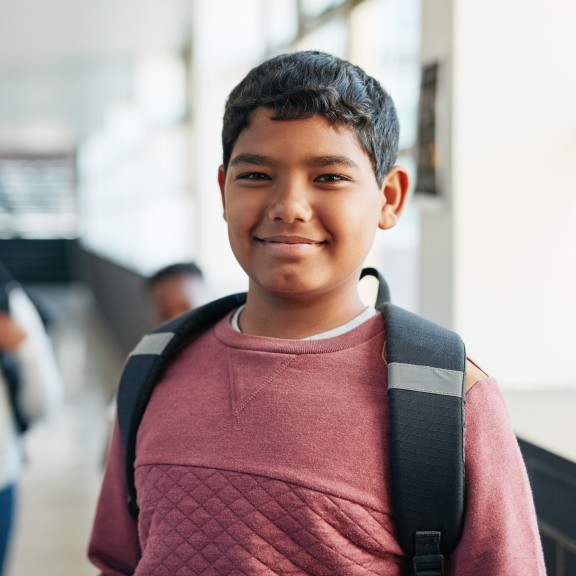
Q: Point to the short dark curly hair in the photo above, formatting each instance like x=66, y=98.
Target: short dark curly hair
x=300, y=85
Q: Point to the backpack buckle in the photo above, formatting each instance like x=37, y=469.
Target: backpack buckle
x=428, y=561
x=428, y=565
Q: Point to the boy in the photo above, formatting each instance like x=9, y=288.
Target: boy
x=263, y=449
x=175, y=289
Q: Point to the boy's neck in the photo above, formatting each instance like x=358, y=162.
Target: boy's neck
x=296, y=318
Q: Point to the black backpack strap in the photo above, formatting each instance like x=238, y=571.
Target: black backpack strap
x=145, y=365
x=426, y=392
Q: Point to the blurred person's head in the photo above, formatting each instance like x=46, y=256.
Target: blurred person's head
x=176, y=289
x=301, y=85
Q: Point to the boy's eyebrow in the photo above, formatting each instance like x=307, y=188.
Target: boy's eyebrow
x=312, y=161
x=321, y=161
x=256, y=159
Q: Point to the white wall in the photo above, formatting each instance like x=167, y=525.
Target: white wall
x=513, y=174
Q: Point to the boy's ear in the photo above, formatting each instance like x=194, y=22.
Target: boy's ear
x=221, y=181
x=395, y=192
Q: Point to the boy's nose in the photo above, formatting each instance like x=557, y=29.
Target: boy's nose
x=290, y=202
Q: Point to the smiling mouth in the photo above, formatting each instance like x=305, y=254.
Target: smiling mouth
x=288, y=240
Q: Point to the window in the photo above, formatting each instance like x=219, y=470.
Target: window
x=37, y=196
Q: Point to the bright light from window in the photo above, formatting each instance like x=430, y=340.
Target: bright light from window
x=282, y=22
x=332, y=38
x=160, y=89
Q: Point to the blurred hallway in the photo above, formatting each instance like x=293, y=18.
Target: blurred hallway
x=60, y=485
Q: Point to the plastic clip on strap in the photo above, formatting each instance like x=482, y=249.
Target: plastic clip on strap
x=428, y=561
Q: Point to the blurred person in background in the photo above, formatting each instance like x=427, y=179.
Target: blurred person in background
x=30, y=389
x=175, y=289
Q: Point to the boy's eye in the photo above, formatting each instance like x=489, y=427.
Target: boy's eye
x=253, y=176
x=327, y=178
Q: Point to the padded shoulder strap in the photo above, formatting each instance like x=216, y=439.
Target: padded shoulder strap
x=146, y=364
x=426, y=379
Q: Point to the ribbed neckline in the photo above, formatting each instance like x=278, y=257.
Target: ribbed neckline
x=230, y=337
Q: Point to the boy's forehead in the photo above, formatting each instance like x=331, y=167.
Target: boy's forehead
x=262, y=119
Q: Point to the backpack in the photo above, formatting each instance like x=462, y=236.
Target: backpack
x=426, y=394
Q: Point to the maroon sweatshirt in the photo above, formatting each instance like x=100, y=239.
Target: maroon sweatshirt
x=263, y=456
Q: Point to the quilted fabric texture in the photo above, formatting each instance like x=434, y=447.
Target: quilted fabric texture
x=213, y=522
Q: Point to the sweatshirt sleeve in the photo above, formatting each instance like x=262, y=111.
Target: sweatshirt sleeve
x=114, y=545
x=500, y=531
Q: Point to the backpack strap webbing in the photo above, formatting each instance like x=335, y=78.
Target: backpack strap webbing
x=426, y=393
x=145, y=365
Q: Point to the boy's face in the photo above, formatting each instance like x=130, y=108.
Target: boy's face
x=302, y=205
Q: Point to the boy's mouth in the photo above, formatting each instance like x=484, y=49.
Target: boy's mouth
x=282, y=239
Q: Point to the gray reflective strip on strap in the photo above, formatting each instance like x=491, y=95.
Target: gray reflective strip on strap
x=152, y=343
x=425, y=379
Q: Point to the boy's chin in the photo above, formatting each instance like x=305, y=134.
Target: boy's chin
x=284, y=288
x=301, y=290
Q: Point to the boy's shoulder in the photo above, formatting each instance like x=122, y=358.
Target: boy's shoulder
x=474, y=374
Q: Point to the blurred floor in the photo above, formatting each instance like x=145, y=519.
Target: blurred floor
x=61, y=481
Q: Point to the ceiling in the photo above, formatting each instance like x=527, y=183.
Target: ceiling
x=63, y=61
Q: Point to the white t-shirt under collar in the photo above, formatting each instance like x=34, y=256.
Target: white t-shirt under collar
x=339, y=330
